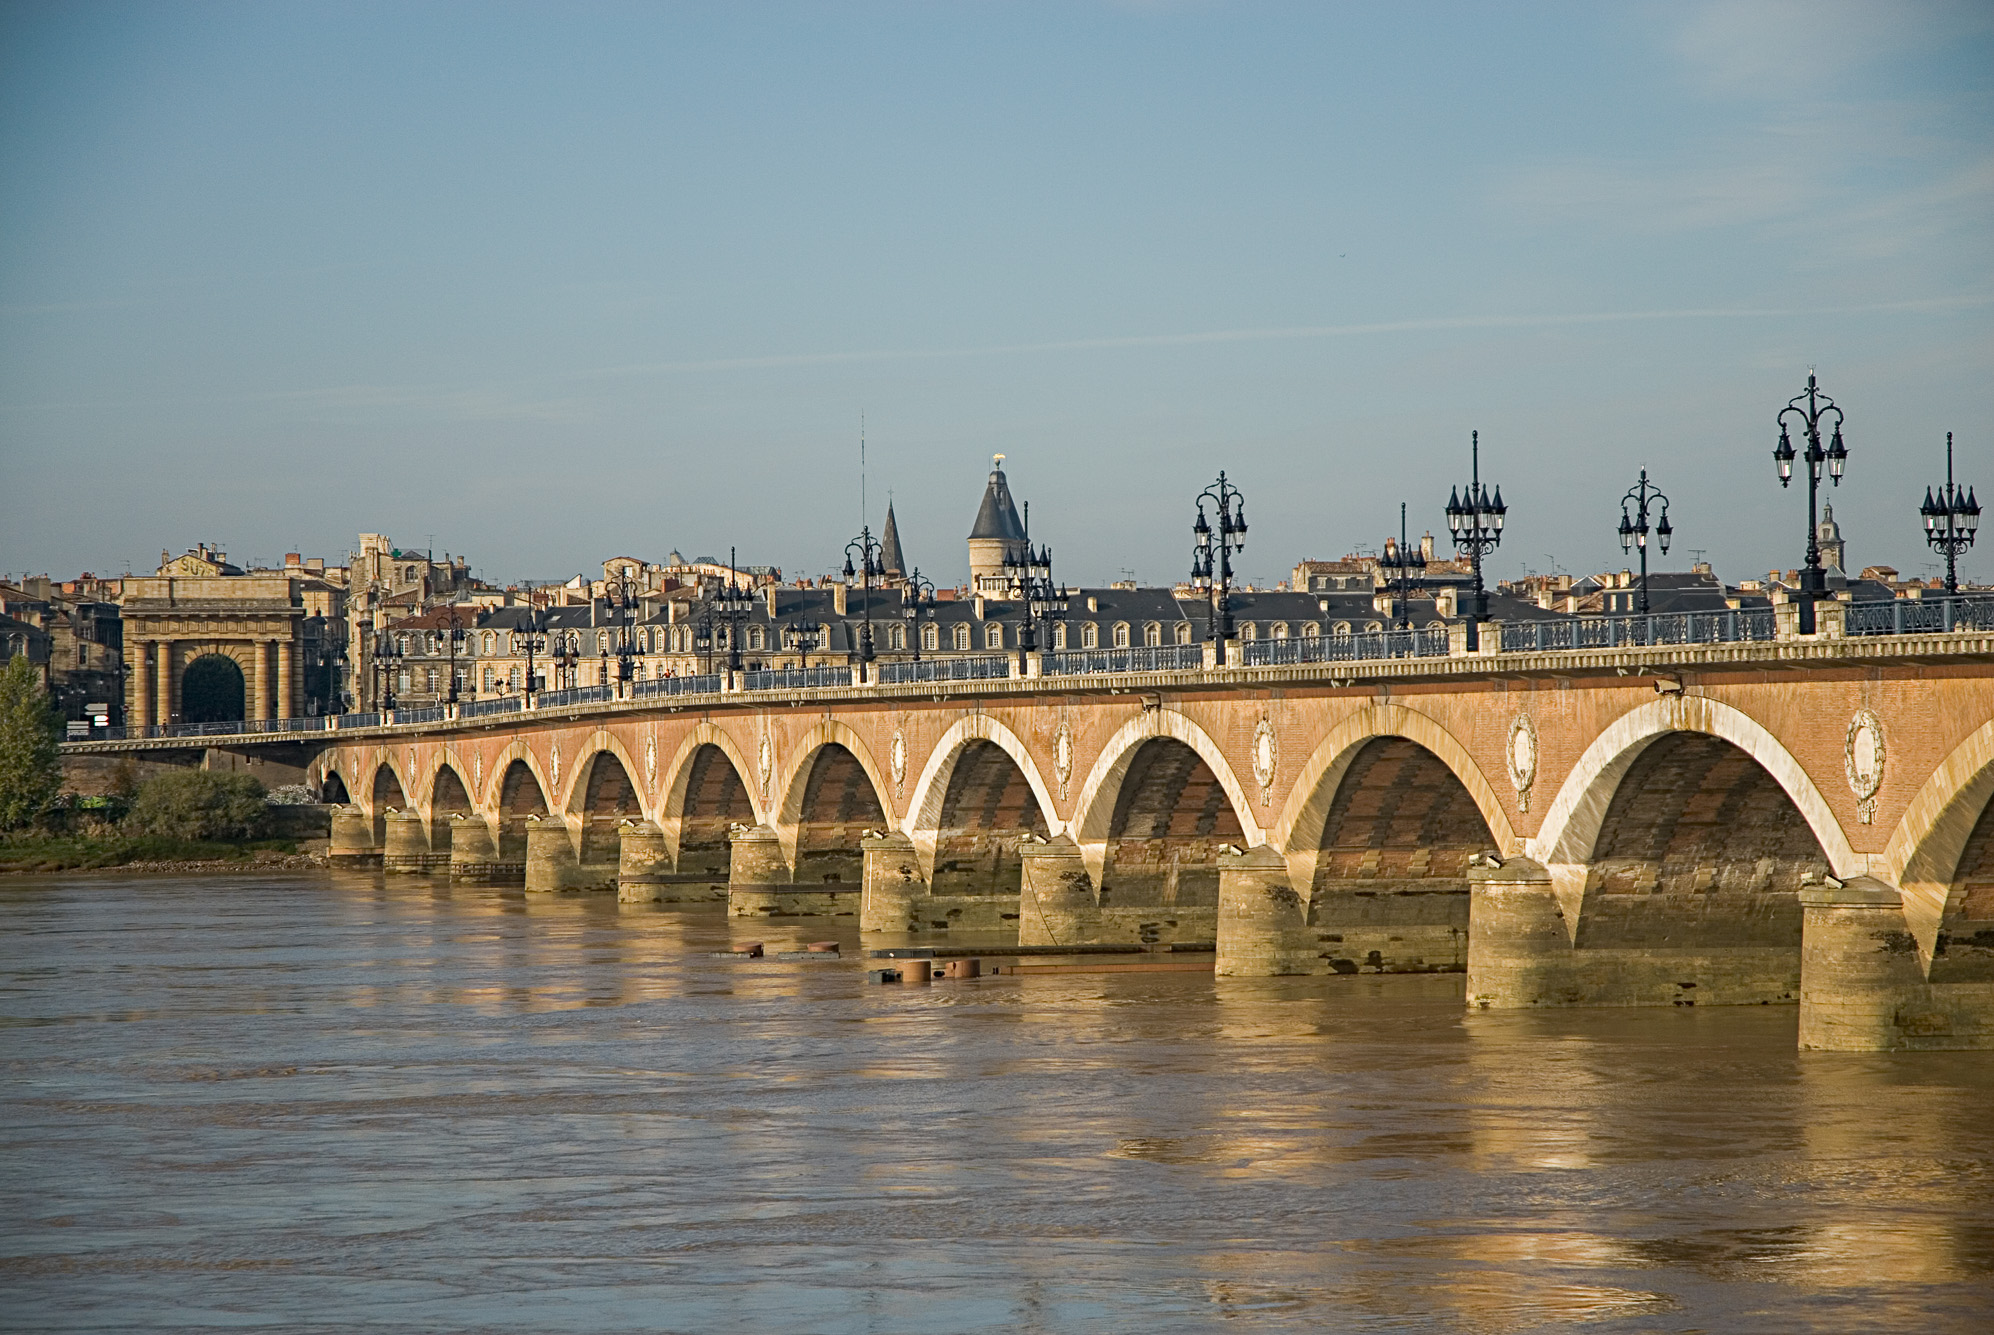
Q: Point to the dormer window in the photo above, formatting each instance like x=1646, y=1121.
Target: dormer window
x=1152, y=634
x=1090, y=635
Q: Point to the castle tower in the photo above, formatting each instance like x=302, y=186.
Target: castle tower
x=1828, y=536
x=997, y=536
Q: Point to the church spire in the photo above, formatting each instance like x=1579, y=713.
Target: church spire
x=890, y=559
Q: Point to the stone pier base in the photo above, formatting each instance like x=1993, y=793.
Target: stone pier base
x=352, y=841
x=1862, y=981
x=1059, y=905
x=474, y=854
x=407, y=848
x=642, y=863
x=553, y=867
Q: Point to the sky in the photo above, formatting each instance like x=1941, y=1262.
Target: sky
x=545, y=284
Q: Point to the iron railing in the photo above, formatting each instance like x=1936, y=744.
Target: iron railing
x=1729, y=626
x=796, y=679
x=1135, y=658
x=1922, y=616
x=704, y=683
x=1429, y=643
x=981, y=668
x=577, y=695
x=426, y=714
x=504, y=704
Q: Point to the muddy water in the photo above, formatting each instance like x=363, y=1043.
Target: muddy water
x=322, y=1103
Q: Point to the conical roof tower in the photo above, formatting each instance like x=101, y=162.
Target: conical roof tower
x=890, y=559
x=998, y=533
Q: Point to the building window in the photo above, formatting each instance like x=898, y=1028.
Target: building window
x=754, y=637
x=1121, y=635
x=1310, y=630
x=488, y=680
x=1248, y=631
x=1090, y=635
x=993, y=636
x=931, y=637
x=402, y=681
x=1280, y=630
x=432, y=681
x=512, y=679
x=961, y=637
x=1059, y=634
x=1183, y=632
x=1152, y=634
x=1373, y=627
x=896, y=637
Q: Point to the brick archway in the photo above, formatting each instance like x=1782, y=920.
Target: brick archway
x=931, y=791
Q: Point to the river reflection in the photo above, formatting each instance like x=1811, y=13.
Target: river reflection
x=328, y=1103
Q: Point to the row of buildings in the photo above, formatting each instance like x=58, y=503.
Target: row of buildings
x=203, y=640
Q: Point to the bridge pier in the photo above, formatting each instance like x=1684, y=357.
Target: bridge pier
x=1263, y=927
x=553, y=865
x=893, y=888
x=1864, y=986
x=760, y=882
x=352, y=843
x=642, y=863
x=406, y=846
x=474, y=853
x=1060, y=905
x=1538, y=937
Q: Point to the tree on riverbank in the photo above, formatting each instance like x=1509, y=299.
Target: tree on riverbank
x=30, y=737
x=199, y=804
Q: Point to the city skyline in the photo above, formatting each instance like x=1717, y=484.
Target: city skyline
x=278, y=277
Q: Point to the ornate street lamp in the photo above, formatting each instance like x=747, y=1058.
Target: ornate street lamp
x=1211, y=554
x=917, y=600
x=453, y=637
x=702, y=635
x=1475, y=518
x=1405, y=567
x=1951, y=520
x=801, y=637
x=1813, y=579
x=388, y=662
x=1030, y=577
x=1634, y=526
x=734, y=605
x=533, y=637
x=621, y=593
x=866, y=550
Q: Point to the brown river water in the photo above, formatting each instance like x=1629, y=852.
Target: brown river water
x=321, y=1102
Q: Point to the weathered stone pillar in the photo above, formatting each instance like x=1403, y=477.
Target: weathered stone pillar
x=892, y=883
x=474, y=853
x=551, y=863
x=141, y=679
x=642, y=863
x=167, y=711
x=287, y=680
x=1862, y=981
x=406, y=846
x=1519, y=948
x=1056, y=904
x=1263, y=924
x=756, y=872
x=259, y=682
x=352, y=842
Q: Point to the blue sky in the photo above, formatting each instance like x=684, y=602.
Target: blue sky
x=553, y=283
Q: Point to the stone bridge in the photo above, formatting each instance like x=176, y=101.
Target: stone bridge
x=1799, y=821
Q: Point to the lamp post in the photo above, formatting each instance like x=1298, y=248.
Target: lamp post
x=1813, y=579
x=734, y=604
x=625, y=599
x=1951, y=520
x=565, y=656
x=452, y=637
x=533, y=637
x=917, y=599
x=387, y=661
x=1475, y=518
x=1634, y=526
x=1211, y=554
x=1030, y=578
x=866, y=550
x=1404, y=566
x=702, y=636
x=802, y=637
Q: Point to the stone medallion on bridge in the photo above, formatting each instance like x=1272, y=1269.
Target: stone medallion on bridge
x=478, y=771
x=554, y=763
x=1062, y=758
x=1522, y=756
x=651, y=761
x=765, y=764
x=1862, y=761
x=1265, y=756
x=899, y=757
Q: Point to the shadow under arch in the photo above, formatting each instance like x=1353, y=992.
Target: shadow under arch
x=691, y=764
x=1572, y=825
x=1298, y=832
x=581, y=774
x=939, y=780
x=796, y=775
x=449, y=795
x=602, y=794
x=1935, y=854
x=1099, y=796
x=499, y=789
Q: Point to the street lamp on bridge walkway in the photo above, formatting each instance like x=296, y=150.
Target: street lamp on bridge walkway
x=1211, y=554
x=1951, y=520
x=917, y=600
x=1475, y=517
x=1813, y=579
x=1634, y=526
x=865, y=548
x=1405, y=566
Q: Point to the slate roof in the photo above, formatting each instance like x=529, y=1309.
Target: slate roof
x=997, y=517
x=890, y=559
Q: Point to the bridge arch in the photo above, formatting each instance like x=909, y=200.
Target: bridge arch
x=1572, y=826
x=680, y=772
x=1095, y=808
x=706, y=793
x=932, y=790
x=503, y=783
x=449, y=790
x=1299, y=831
x=1926, y=849
x=832, y=789
x=386, y=788
x=584, y=782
